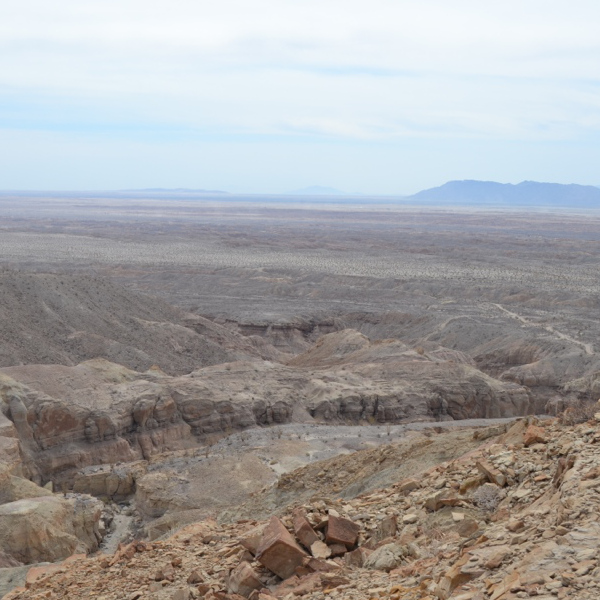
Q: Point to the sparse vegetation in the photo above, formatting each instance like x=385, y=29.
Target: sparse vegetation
x=579, y=411
x=487, y=497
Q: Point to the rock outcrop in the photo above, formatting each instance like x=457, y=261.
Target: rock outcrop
x=68, y=418
x=49, y=528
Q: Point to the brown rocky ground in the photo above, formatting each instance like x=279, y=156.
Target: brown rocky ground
x=516, y=517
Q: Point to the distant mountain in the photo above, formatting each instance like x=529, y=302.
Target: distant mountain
x=526, y=193
x=317, y=190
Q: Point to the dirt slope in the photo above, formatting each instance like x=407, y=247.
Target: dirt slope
x=66, y=319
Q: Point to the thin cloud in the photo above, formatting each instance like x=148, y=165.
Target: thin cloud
x=342, y=71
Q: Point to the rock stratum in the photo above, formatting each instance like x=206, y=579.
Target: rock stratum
x=67, y=418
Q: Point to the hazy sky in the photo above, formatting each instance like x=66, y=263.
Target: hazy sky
x=272, y=95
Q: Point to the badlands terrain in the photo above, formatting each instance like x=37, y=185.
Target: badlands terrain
x=228, y=397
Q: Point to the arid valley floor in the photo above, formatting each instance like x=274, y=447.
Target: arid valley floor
x=228, y=397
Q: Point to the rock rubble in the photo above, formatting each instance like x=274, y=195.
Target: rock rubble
x=508, y=520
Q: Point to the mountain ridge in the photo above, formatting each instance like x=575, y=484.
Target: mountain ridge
x=476, y=192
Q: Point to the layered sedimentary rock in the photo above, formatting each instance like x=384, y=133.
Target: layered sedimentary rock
x=36, y=525
x=68, y=418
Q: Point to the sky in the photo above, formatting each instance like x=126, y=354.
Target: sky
x=267, y=96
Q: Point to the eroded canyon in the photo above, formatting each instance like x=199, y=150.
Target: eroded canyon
x=164, y=362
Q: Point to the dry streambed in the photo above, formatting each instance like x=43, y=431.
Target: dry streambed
x=215, y=481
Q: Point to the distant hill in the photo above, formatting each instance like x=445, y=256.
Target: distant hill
x=526, y=193
x=317, y=190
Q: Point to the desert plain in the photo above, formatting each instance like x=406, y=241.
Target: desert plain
x=170, y=361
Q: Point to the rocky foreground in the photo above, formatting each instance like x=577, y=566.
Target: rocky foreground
x=517, y=517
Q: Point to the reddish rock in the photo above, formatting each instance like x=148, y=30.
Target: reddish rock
x=330, y=581
x=342, y=531
x=322, y=566
x=495, y=559
x=36, y=574
x=453, y=578
x=195, y=577
x=515, y=525
x=74, y=558
x=534, y=435
x=388, y=527
x=303, y=529
x=299, y=586
x=251, y=538
x=167, y=573
x=244, y=580
x=357, y=557
x=278, y=551
x=124, y=552
x=338, y=549
x=498, y=590
x=472, y=483
x=564, y=464
x=492, y=474
x=440, y=499
x=467, y=527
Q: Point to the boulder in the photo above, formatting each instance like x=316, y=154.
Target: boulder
x=49, y=528
x=342, y=531
x=386, y=558
x=17, y=488
x=493, y=475
x=440, y=499
x=243, y=580
x=114, y=482
x=251, y=539
x=407, y=485
x=303, y=529
x=534, y=435
x=357, y=558
x=278, y=551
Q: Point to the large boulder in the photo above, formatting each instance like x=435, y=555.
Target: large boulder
x=49, y=528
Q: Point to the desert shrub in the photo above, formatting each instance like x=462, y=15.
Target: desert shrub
x=487, y=497
x=579, y=411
